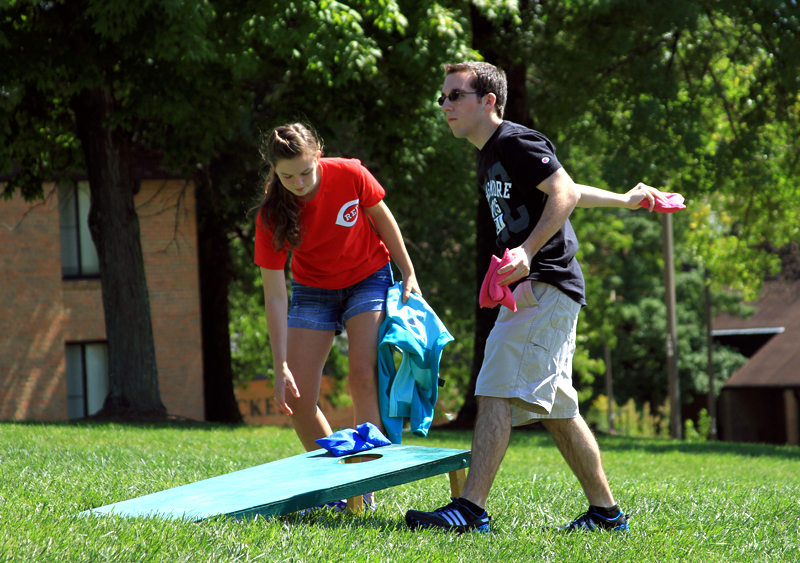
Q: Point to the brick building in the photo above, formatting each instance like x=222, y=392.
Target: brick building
x=52, y=331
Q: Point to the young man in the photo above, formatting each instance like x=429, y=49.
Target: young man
x=527, y=370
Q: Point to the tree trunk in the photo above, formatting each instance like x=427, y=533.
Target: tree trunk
x=484, y=40
x=114, y=224
x=215, y=278
x=484, y=318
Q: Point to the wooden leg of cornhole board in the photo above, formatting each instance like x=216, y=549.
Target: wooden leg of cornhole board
x=356, y=504
x=457, y=480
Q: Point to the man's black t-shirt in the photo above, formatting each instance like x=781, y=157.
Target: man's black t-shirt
x=511, y=164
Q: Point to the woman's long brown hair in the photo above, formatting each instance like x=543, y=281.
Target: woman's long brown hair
x=279, y=209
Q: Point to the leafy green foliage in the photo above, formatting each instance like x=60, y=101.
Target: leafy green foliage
x=692, y=97
x=625, y=276
x=162, y=61
x=366, y=76
x=696, y=97
x=251, y=354
x=200, y=80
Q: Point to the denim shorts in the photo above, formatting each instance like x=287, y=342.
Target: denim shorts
x=330, y=309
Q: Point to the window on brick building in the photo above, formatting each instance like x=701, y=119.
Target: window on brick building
x=87, y=378
x=78, y=254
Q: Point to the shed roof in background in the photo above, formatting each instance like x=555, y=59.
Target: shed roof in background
x=776, y=363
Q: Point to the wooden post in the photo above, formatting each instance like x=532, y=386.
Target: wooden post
x=675, y=427
x=727, y=414
x=792, y=417
x=356, y=503
x=712, y=398
x=609, y=387
x=458, y=479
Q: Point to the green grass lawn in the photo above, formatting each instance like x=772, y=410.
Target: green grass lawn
x=690, y=501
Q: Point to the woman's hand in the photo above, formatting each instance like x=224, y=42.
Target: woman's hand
x=284, y=380
x=410, y=285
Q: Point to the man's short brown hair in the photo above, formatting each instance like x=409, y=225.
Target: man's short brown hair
x=486, y=79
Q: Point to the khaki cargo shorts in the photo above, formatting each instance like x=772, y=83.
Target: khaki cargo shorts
x=528, y=357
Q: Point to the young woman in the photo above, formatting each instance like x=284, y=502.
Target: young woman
x=316, y=207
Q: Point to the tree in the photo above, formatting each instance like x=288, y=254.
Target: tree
x=197, y=81
x=699, y=98
x=82, y=82
x=488, y=30
x=695, y=97
x=366, y=76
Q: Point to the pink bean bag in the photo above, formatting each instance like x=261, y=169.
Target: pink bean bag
x=492, y=293
x=674, y=203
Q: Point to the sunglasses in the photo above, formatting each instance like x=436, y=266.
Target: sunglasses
x=455, y=95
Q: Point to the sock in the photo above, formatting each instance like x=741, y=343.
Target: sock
x=476, y=510
x=610, y=512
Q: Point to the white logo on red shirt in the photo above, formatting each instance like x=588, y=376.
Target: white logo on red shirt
x=348, y=214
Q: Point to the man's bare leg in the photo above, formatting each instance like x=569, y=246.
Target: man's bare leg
x=489, y=445
x=577, y=444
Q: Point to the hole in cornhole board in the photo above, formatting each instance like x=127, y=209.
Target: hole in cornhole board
x=360, y=458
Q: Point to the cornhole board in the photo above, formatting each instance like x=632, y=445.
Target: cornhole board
x=298, y=482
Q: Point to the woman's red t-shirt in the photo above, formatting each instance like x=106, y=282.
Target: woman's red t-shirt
x=339, y=246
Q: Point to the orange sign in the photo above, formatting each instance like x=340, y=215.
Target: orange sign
x=256, y=401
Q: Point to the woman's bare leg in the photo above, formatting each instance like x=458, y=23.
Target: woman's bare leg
x=306, y=353
x=362, y=357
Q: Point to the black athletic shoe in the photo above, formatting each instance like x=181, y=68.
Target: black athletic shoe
x=590, y=521
x=455, y=517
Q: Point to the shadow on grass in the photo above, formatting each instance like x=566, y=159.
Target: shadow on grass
x=621, y=443
x=609, y=442
x=346, y=521
x=174, y=423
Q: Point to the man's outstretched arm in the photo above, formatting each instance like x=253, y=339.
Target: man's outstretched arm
x=595, y=197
